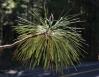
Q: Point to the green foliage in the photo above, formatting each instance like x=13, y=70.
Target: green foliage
x=8, y=5
x=54, y=44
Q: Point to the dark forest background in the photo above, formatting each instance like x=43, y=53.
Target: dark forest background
x=88, y=10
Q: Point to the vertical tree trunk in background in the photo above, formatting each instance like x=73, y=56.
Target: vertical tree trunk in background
x=93, y=29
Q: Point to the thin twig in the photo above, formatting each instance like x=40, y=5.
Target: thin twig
x=17, y=42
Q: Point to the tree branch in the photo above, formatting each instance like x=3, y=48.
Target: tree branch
x=17, y=42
